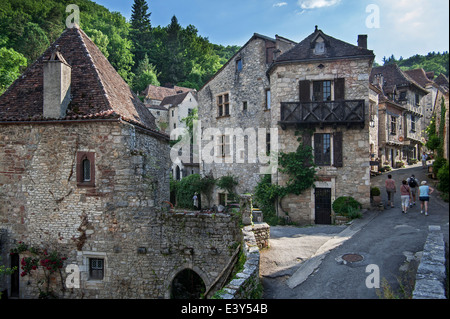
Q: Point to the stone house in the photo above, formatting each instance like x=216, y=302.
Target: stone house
x=153, y=95
x=84, y=172
x=405, y=135
x=237, y=99
x=322, y=84
x=179, y=107
x=161, y=115
x=374, y=120
x=442, y=94
x=321, y=89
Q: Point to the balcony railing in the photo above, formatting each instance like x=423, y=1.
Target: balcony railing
x=345, y=112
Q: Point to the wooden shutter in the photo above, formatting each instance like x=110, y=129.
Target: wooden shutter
x=307, y=142
x=339, y=89
x=337, y=149
x=304, y=88
x=318, y=149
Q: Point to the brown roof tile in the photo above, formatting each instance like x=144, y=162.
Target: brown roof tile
x=97, y=90
x=160, y=92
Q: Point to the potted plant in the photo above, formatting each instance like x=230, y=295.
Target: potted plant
x=375, y=196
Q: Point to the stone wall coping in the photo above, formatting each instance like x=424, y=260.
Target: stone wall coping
x=431, y=275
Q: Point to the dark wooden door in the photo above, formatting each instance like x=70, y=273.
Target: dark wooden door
x=323, y=206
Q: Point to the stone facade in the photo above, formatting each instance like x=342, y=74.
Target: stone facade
x=243, y=79
x=353, y=178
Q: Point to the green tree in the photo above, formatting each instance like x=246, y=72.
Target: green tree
x=140, y=32
x=146, y=74
x=11, y=65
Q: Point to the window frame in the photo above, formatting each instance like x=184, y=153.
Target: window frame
x=393, y=126
x=322, y=90
x=92, y=277
x=325, y=158
x=223, y=104
x=82, y=157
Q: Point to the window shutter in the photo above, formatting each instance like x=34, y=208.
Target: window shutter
x=339, y=89
x=337, y=149
x=318, y=148
x=307, y=142
x=304, y=87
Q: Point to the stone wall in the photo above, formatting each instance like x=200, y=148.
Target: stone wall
x=122, y=220
x=248, y=85
x=353, y=179
x=246, y=284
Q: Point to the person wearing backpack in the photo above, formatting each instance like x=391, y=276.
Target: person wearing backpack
x=413, y=183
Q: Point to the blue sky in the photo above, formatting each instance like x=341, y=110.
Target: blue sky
x=399, y=27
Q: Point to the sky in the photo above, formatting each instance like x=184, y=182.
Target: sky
x=399, y=27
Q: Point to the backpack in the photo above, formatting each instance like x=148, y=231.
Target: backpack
x=412, y=182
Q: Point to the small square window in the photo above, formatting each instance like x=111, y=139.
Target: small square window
x=96, y=268
x=244, y=106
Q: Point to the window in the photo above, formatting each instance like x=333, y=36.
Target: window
x=319, y=47
x=267, y=144
x=393, y=125
x=96, y=268
x=402, y=96
x=322, y=149
x=321, y=91
x=239, y=65
x=189, y=112
x=85, y=169
x=268, y=99
x=223, y=104
x=172, y=114
x=413, y=123
x=224, y=145
x=244, y=106
x=222, y=199
x=417, y=99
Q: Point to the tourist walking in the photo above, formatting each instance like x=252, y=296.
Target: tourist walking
x=390, y=190
x=424, y=160
x=413, y=183
x=405, y=196
x=424, y=196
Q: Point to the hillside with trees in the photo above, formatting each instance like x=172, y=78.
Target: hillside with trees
x=432, y=62
x=141, y=54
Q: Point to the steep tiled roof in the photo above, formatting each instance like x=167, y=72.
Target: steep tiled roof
x=335, y=49
x=442, y=80
x=393, y=78
x=174, y=99
x=97, y=90
x=420, y=76
x=159, y=92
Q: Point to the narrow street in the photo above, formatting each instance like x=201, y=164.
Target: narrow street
x=307, y=262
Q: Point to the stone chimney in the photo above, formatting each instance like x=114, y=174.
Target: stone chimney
x=57, y=79
x=362, y=41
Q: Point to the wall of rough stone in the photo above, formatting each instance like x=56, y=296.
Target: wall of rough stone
x=247, y=284
x=41, y=205
x=353, y=179
x=248, y=85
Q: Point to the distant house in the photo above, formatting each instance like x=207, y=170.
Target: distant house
x=153, y=95
x=179, y=107
x=443, y=95
x=402, y=103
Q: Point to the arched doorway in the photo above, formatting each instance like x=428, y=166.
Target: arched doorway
x=187, y=284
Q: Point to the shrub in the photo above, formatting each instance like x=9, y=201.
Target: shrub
x=443, y=177
x=346, y=206
x=375, y=191
x=185, y=190
x=438, y=163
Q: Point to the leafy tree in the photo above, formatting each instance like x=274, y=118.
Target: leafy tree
x=11, y=65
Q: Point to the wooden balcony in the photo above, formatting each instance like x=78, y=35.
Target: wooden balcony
x=345, y=112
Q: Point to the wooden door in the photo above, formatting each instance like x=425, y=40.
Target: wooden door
x=323, y=206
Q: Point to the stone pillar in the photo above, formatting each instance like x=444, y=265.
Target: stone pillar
x=245, y=206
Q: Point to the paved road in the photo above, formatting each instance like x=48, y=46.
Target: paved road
x=306, y=262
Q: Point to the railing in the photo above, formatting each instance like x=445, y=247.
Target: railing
x=334, y=112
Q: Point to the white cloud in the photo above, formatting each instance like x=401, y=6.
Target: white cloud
x=280, y=4
x=314, y=4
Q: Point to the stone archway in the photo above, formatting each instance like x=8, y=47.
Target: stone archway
x=187, y=284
